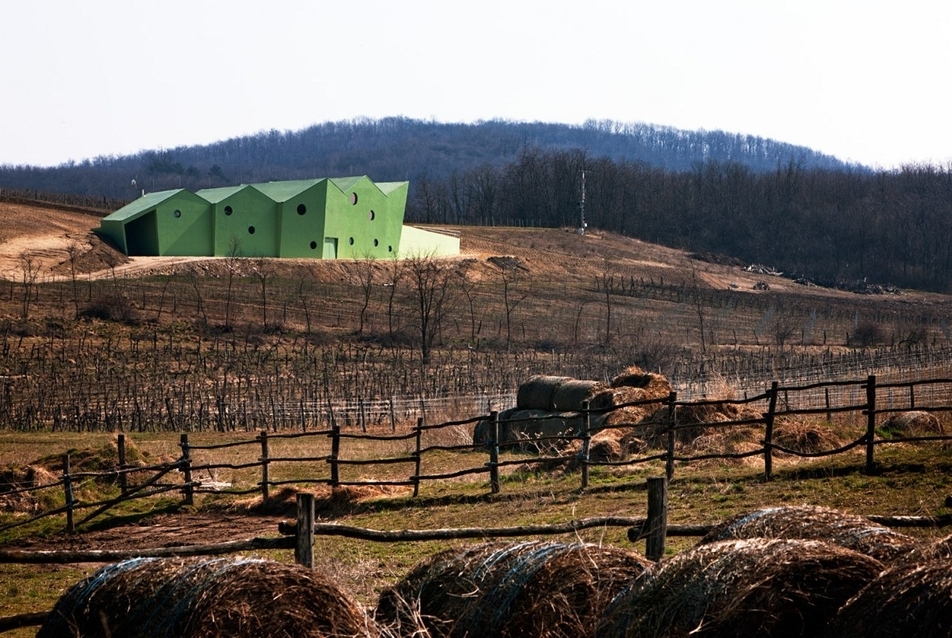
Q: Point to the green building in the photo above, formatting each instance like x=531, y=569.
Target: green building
x=330, y=218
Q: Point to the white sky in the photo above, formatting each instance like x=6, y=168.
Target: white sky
x=864, y=80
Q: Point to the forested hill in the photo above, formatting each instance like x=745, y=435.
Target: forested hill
x=396, y=149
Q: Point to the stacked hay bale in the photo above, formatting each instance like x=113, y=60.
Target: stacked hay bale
x=748, y=587
x=151, y=597
x=818, y=523
x=531, y=430
x=547, y=407
x=542, y=416
x=512, y=589
x=909, y=599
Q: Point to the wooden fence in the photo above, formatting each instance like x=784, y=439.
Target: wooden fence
x=852, y=407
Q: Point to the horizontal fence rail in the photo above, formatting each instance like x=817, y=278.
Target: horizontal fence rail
x=334, y=456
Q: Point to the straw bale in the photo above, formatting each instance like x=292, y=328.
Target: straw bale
x=202, y=598
x=569, y=395
x=940, y=549
x=747, y=587
x=512, y=589
x=912, y=423
x=905, y=600
x=536, y=393
x=525, y=428
x=819, y=523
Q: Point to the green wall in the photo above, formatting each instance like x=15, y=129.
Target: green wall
x=245, y=223
x=184, y=227
x=365, y=222
x=302, y=222
x=338, y=218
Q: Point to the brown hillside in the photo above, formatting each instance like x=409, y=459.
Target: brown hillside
x=46, y=235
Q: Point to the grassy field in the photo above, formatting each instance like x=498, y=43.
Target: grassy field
x=910, y=480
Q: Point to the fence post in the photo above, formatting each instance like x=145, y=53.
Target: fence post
x=68, y=492
x=265, y=475
x=188, y=491
x=768, y=431
x=123, y=477
x=494, y=454
x=335, y=453
x=586, y=441
x=418, y=456
x=304, y=545
x=870, y=421
x=672, y=423
x=657, y=523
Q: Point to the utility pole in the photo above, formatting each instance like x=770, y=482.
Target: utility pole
x=581, y=209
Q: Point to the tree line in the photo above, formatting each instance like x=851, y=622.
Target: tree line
x=830, y=227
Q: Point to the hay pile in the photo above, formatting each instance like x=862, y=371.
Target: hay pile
x=753, y=587
x=818, y=523
x=905, y=600
x=631, y=386
x=511, y=589
x=203, y=598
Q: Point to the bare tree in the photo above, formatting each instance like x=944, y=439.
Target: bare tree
x=193, y=280
x=511, y=300
x=232, y=265
x=468, y=288
x=304, y=290
x=29, y=270
x=608, y=285
x=430, y=279
x=363, y=272
x=396, y=272
x=264, y=272
x=698, y=306
x=74, y=251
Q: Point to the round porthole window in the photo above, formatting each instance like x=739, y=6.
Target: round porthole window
x=376, y=243
x=177, y=213
x=313, y=245
x=228, y=210
x=353, y=198
x=351, y=241
x=251, y=230
x=371, y=215
x=301, y=209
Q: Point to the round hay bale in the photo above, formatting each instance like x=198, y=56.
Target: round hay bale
x=940, y=549
x=751, y=587
x=515, y=589
x=912, y=423
x=536, y=393
x=818, y=523
x=203, y=598
x=905, y=600
x=569, y=395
